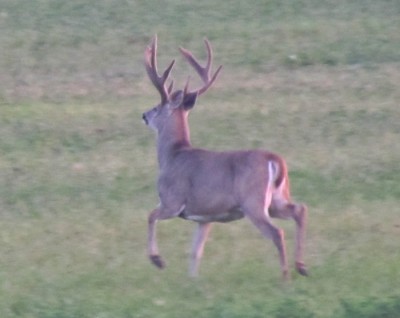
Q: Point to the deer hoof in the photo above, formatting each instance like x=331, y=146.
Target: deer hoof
x=157, y=261
x=301, y=269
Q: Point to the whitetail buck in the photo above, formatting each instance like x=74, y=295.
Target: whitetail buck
x=206, y=186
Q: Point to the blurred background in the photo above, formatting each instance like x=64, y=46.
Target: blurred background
x=316, y=81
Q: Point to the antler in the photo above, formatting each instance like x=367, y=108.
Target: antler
x=204, y=72
x=150, y=59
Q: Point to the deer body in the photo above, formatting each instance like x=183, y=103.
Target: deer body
x=197, y=179
x=207, y=186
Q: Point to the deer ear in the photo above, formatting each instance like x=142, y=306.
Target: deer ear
x=176, y=99
x=189, y=100
x=179, y=98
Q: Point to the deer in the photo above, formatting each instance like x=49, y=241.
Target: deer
x=207, y=186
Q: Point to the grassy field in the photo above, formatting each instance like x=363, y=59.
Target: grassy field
x=316, y=81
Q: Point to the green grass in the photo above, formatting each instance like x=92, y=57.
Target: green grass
x=316, y=81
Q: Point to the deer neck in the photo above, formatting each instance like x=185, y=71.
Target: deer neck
x=171, y=138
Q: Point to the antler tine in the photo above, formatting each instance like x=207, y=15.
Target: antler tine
x=209, y=55
x=210, y=82
x=204, y=72
x=170, y=87
x=150, y=57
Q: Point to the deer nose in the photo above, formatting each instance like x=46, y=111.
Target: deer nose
x=144, y=119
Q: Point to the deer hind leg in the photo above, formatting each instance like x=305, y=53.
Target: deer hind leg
x=152, y=247
x=281, y=208
x=258, y=215
x=199, y=240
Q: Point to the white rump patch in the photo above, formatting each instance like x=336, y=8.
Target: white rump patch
x=272, y=169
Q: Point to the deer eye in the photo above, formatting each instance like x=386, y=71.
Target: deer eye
x=157, y=110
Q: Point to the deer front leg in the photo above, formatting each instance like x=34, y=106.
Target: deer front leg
x=160, y=213
x=152, y=247
x=199, y=240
